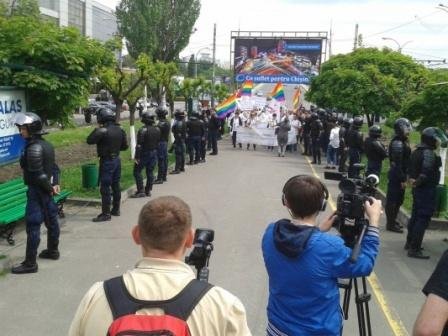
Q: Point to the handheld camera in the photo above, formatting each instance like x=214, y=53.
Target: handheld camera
x=200, y=255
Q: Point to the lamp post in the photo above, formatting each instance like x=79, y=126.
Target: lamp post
x=196, y=60
x=400, y=46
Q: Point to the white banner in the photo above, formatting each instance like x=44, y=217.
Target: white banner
x=260, y=134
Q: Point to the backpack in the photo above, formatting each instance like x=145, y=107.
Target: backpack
x=173, y=323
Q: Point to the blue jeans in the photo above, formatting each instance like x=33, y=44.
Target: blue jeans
x=332, y=155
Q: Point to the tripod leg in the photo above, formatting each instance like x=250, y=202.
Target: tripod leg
x=359, y=311
x=347, y=293
x=366, y=302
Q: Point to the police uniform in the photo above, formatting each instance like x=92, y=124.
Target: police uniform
x=355, y=143
x=315, y=130
x=214, y=125
x=40, y=173
x=399, y=155
x=375, y=151
x=425, y=172
x=204, y=139
x=109, y=139
x=343, y=151
x=179, y=130
x=195, y=132
x=162, y=150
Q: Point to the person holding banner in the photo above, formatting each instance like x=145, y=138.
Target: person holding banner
x=251, y=122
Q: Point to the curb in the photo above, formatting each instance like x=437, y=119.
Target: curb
x=403, y=216
x=97, y=201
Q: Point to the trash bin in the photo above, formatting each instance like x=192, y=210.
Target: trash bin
x=442, y=198
x=89, y=176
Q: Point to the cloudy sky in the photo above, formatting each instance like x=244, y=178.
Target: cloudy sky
x=417, y=25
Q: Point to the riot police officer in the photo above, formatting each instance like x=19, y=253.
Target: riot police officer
x=375, y=151
x=146, y=154
x=306, y=129
x=399, y=155
x=41, y=175
x=162, y=150
x=179, y=130
x=424, y=175
x=109, y=139
x=214, y=126
x=343, y=149
x=203, y=117
x=315, y=130
x=355, y=143
x=195, y=132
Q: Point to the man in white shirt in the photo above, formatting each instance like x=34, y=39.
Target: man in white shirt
x=164, y=232
x=235, y=122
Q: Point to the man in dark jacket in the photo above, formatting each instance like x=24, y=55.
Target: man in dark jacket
x=424, y=176
x=343, y=148
x=315, y=130
x=109, y=139
x=355, y=143
x=304, y=262
x=214, y=125
x=375, y=151
x=399, y=154
x=148, y=142
x=162, y=149
x=41, y=175
x=179, y=130
x=195, y=132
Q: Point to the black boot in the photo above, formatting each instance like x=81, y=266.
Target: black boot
x=29, y=265
x=158, y=181
x=417, y=254
x=391, y=215
x=115, y=208
x=52, y=251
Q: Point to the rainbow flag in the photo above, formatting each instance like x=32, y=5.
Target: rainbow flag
x=246, y=88
x=226, y=107
x=296, y=99
x=278, y=93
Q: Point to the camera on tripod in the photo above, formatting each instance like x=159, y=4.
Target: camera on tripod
x=200, y=255
x=350, y=204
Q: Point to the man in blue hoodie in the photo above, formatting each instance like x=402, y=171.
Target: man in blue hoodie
x=304, y=262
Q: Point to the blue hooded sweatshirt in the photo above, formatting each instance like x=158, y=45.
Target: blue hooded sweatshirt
x=303, y=265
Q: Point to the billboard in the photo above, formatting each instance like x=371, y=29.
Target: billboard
x=280, y=59
x=12, y=101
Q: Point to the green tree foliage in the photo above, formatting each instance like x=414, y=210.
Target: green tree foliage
x=24, y=8
x=430, y=106
x=54, y=65
x=160, y=29
x=368, y=82
x=162, y=76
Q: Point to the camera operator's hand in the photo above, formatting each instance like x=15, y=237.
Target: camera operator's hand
x=328, y=223
x=373, y=211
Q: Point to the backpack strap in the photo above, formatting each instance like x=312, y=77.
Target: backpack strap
x=122, y=303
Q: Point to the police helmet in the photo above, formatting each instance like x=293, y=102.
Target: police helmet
x=147, y=118
x=340, y=119
x=161, y=112
x=358, y=121
x=32, y=121
x=375, y=131
x=104, y=115
x=178, y=113
x=430, y=137
x=314, y=116
x=402, y=127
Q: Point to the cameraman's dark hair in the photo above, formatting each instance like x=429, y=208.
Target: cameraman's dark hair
x=304, y=194
x=164, y=222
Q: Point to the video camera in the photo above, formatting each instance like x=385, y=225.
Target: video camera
x=350, y=222
x=200, y=255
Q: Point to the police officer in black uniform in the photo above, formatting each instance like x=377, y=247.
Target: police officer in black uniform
x=306, y=129
x=343, y=149
x=195, y=132
x=146, y=154
x=109, y=139
x=203, y=146
x=162, y=150
x=375, y=151
x=399, y=155
x=315, y=131
x=355, y=143
x=179, y=130
x=424, y=175
x=41, y=175
x=214, y=126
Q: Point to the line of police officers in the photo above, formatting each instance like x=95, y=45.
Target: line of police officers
x=419, y=169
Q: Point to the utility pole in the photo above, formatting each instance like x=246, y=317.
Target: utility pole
x=212, y=100
x=355, y=44
x=330, y=44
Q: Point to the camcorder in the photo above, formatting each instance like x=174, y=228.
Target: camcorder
x=350, y=221
x=200, y=255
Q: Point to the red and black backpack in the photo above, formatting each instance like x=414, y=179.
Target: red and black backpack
x=172, y=323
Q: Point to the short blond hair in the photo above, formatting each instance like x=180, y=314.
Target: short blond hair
x=164, y=223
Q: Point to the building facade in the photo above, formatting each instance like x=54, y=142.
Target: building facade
x=89, y=17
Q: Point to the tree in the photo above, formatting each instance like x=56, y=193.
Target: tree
x=54, y=65
x=367, y=82
x=161, y=77
x=24, y=8
x=161, y=29
x=430, y=106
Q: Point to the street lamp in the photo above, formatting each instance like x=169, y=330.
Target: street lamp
x=196, y=60
x=400, y=46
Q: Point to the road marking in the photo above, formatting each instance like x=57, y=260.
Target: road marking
x=390, y=314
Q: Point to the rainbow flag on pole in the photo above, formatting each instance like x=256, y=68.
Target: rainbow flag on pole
x=226, y=107
x=246, y=88
x=296, y=99
x=278, y=93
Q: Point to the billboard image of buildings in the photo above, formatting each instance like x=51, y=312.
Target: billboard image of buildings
x=290, y=60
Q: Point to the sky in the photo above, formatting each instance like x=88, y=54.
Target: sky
x=416, y=25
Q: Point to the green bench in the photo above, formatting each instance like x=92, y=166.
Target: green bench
x=13, y=203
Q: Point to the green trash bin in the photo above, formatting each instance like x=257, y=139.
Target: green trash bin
x=442, y=198
x=89, y=176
